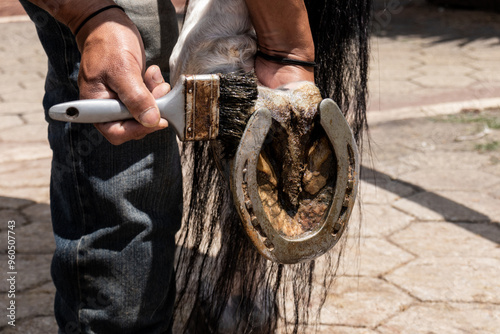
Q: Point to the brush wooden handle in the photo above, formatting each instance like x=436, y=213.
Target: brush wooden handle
x=108, y=110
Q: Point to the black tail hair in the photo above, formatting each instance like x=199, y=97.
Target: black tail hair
x=340, y=32
x=216, y=263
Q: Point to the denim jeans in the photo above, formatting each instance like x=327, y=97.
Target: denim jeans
x=115, y=209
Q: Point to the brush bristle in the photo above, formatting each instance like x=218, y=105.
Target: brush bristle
x=238, y=93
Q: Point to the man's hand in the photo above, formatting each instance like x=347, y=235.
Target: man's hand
x=112, y=66
x=121, y=131
x=282, y=29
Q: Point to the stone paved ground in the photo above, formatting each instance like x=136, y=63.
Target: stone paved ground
x=10, y=8
x=427, y=256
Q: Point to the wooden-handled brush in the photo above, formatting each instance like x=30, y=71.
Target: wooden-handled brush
x=199, y=107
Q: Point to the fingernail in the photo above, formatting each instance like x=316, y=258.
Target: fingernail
x=150, y=117
x=163, y=123
x=157, y=77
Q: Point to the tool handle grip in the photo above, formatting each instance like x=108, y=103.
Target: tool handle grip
x=108, y=110
x=90, y=111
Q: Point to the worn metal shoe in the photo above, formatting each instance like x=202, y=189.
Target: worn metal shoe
x=294, y=177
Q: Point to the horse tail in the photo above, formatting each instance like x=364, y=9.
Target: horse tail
x=341, y=37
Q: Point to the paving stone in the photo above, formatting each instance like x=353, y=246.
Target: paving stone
x=13, y=203
x=449, y=318
x=494, y=191
x=423, y=206
x=377, y=221
x=34, y=194
x=37, y=325
x=450, y=206
x=35, y=303
x=383, y=45
x=442, y=178
x=323, y=329
x=435, y=45
x=370, y=173
x=487, y=42
x=493, y=169
x=343, y=330
x=477, y=201
x=41, y=232
x=20, y=70
x=443, y=81
x=483, y=90
x=381, y=100
x=8, y=215
x=34, y=118
x=422, y=136
x=32, y=81
x=488, y=231
x=490, y=75
x=394, y=165
x=21, y=95
x=486, y=64
x=436, y=57
x=11, y=166
x=412, y=143
x=8, y=61
x=39, y=212
x=7, y=122
x=36, y=177
x=449, y=240
x=32, y=271
x=399, y=87
x=450, y=279
x=24, y=151
x=37, y=133
x=445, y=70
x=463, y=160
x=480, y=54
x=398, y=73
x=395, y=62
x=371, y=257
x=383, y=193
x=362, y=302
x=16, y=108
x=20, y=34
x=11, y=83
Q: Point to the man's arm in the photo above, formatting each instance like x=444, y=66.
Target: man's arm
x=113, y=65
x=282, y=28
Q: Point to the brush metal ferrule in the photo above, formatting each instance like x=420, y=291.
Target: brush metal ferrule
x=202, y=106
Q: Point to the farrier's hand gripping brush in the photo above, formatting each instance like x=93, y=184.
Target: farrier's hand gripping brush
x=199, y=107
x=205, y=107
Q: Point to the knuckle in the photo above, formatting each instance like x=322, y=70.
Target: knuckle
x=91, y=89
x=137, y=100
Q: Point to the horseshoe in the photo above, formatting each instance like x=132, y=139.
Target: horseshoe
x=243, y=179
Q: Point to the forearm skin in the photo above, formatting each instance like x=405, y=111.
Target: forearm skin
x=282, y=28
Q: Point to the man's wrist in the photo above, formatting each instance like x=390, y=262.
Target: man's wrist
x=74, y=17
x=72, y=12
x=287, y=58
x=282, y=28
x=94, y=14
x=102, y=26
